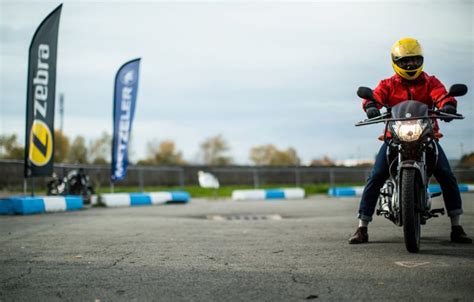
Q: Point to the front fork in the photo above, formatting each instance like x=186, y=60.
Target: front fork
x=389, y=199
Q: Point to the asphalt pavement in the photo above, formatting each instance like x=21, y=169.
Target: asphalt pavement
x=223, y=250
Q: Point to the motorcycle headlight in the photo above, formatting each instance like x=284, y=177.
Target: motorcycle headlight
x=409, y=131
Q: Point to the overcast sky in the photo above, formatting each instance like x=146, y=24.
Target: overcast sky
x=256, y=72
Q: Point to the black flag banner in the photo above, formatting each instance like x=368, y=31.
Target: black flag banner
x=41, y=91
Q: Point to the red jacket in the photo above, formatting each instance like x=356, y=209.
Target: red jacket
x=425, y=89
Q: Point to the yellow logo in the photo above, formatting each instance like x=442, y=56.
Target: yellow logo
x=41, y=143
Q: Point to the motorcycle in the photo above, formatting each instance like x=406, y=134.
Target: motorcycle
x=76, y=182
x=412, y=155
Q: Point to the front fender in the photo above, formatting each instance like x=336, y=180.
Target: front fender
x=413, y=164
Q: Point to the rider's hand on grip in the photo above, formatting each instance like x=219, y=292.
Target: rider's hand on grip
x=448, y=108
x=372, y=111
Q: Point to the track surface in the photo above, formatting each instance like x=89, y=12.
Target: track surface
x=174, y=253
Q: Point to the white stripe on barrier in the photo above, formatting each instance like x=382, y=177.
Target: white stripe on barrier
x=359, y=191
x=160, y=197
x=54, y=203
x=116, y=199
x=282, y=193
x=26, y=205
x=136, y=199
x=294, y=193
x=94, y=200
x=248, y=194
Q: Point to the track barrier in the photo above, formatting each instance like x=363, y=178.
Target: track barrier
x=25, y=205
x=357, y=191
x=284, y=193
x=139, y=199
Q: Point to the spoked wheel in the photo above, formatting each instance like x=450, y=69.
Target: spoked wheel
x=410, y=195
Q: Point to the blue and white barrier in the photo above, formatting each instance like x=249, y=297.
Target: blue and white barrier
x=41, y=204
x=463, y=188
x=346, y=191
x=6, y=207
x=357, y=191
x=138, y=199
x=292, y=193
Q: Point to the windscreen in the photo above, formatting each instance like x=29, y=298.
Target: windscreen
x=409, y=108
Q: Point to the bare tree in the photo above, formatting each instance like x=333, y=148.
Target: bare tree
x=467, y=160
x=163, y=153
x=78, y=151
x=213, y=151
x=100, y=149
x=10, y=148
x=61, y=146
x=325, y=161
x=270, y=155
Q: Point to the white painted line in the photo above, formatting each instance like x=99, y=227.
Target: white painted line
x=411, y=264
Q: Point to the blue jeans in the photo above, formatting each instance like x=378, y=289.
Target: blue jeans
x=380, y=173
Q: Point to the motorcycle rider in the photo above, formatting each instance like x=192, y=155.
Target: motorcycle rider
x=410, y=82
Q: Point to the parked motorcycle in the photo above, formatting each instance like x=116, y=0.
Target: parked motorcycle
x=412, y=155
x=76, y=182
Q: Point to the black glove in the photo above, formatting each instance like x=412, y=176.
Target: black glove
x=448, y=108
x=371, y=110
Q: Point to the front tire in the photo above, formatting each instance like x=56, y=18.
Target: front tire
x=410, y=216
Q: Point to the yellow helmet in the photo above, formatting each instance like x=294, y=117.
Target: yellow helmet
x=407, y=58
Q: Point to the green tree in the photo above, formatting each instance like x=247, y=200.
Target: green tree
x=78, y=151
x=10, y=148
x=213, y=151
x=270, y=155
x=61, y=146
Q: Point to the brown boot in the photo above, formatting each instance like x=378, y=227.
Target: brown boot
x=360, y=236
x=458, y=235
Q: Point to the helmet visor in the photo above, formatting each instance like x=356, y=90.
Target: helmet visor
x=409, y=63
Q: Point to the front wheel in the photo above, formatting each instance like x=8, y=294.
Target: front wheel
x=410, y=194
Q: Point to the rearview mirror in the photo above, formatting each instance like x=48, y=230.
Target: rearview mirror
x=457, y=90
x=365, y=93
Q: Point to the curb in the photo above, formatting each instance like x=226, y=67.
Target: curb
x=357, y=191
x=25, y=205
x=285, y=193
x=139, y=199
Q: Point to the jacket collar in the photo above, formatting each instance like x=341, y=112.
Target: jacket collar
x=421, y=78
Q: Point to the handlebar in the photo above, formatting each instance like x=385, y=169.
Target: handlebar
x=385, y=117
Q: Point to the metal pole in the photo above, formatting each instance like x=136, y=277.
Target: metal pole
x=61, y=112
x=255, y=178
x=25, y=186
x=181, y=177
x=111, y=186
x=331, y=177
x=140, y=179
x=297, y=177
x=32, y=187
